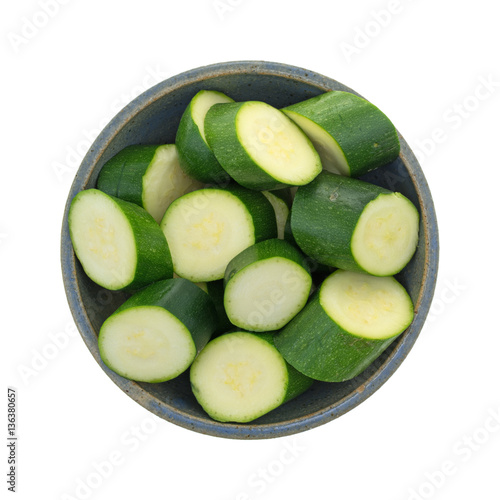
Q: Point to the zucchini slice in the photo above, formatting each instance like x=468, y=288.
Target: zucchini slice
x=266, y=285
x=351, y=135
x=118, y=243
x=155, y=335
x=240, y=376
x=149, y=176
x=354, y=225
x=197, y=159
x=347, y=324
x=205, y=229
x=259, y=146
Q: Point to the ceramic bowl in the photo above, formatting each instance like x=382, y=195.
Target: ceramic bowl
x=152, y=118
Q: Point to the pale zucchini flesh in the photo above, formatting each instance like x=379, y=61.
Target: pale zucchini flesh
x=103, y=240
x=276, y=144
x=146, y=344
x=164, y=181
x=386, y=235
x=367, y=306
x=267, y=294
x=205, y=230
x=238, y=377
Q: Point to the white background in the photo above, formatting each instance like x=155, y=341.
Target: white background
x=430, y=431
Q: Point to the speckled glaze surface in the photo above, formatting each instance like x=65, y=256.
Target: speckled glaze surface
x=152, y=118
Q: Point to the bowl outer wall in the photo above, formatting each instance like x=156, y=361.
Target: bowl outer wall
x=152, y=118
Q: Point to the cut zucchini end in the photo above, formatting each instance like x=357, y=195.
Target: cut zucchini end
x=366, y=306
x=146, y=344
x=386, y=235
x=332, y=156
x=205, y=229
x=276, y=144
x=200, y=105
x=239, y=377
x=164, y=181
x=103, y=239
x=267, y=294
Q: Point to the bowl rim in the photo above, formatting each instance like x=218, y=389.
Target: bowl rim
x=250, y=430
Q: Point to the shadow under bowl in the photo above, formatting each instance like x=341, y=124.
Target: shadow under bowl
x=153, y=118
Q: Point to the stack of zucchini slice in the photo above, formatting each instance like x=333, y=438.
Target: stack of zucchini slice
x=218, y=238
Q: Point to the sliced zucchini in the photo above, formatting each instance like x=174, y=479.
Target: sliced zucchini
x=281, y=200
x=351, y=135
x=205, y=229
x=118, y=243
x=149, y=176
x=354, y=225
x=347, y=324
x=240, y=376
x=155, y=335
x=259, y=146
x=197, y=159
x=266, y=285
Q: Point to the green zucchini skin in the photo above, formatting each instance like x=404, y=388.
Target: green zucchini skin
x=319, y=348
x=324, y=215
x=215, y=290
x=261, y=251
x=186, y=301
x=195, y=156
x=288, y=231
x=297, y=381
x=260, y=209
x=318, y=271
x=121, y=176
x=154, y=261
x=365, y=135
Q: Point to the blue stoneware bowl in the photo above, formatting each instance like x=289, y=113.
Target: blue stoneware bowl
x=152, y=118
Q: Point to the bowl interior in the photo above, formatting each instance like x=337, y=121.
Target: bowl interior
x=153, y=118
